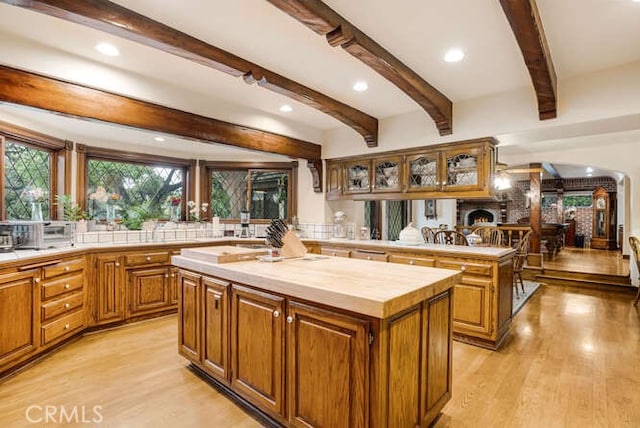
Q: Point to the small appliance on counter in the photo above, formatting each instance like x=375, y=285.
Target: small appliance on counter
x=39, y=235
x=245, y=219
x=339, y=226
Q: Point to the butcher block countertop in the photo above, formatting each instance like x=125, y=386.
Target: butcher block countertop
x=379, y=290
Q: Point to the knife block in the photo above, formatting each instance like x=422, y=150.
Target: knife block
x=292, y=246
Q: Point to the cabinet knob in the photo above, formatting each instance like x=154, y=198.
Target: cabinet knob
x=67, y=286
x=66, y=305
x=289, y=319
x=117, y=264
x=148, y=259
x=66, y=268
x=333, y=254
x=368, y=257
x=276, y=314
x=37, y=280
x=173, y=275
x=411, y=262
x=166, y=275
x=463, y=268
x=66, y=326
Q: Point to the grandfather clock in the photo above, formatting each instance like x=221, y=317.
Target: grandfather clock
x=604, y=220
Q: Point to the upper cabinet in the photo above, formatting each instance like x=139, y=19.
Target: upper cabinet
x=463, y=169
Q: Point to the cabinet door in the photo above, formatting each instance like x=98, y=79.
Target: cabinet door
x=148, y=291
x=422, y=172
x=464, y=169
x=110, y=288
x=189, y=303
x=18, y=315
x=173, y=286
x=472, y=306
x=387, y=174
x=357, y=176
x=215, y=349
x=257, y=348
x=327, y=368
x=334, y=180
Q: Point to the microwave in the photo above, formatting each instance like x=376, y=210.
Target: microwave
x=40, y=235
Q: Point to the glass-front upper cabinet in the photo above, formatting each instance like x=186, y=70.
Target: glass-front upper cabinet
x=334, y=180
x=423, y=172
x=387, y=174
x=464, y=169
x=358, y=176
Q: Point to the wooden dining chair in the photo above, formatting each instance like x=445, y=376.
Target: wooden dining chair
x=450, y=237
x=490, y=235
x=635, y=246
x=522, y=250
x=428, y=234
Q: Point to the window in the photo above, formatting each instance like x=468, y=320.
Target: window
x=266, y=190
x=33, y=164
x=130, y=189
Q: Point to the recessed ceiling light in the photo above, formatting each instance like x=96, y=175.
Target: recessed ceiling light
x=453, y=55
x=589, y=169
x=107, y=49
x=589, y=175
x=286, y=108
x=360, y=86
x=158, y=139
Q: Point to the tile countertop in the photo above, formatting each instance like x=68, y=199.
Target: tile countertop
x=492, y=252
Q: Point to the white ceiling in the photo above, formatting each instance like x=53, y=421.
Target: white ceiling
x=584, y=36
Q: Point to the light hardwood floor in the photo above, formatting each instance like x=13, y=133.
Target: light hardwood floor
x=572, y=360
x=586, y=260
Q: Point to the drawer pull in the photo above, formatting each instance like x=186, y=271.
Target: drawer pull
x=66, y=268
x=117, y=264
x=333, y=253
x=368, y=257
x=66, y=326
x=148, y=259
x=173, y=275
x=37, y=280
x=67, y=286
x=463, y=268
x=66, y=305
x=276, y=314
x=166, y=275
x=411, y=262
x=289, y=319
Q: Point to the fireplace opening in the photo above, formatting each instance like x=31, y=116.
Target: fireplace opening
x=480, y=216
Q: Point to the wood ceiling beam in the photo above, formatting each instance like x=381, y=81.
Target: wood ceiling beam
x=526, y=25
x=114, y=19
x=70, y=99
x=320, y=18
x=551, y=169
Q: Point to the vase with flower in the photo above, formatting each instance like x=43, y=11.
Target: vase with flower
x=175, y=211
x=36, y=197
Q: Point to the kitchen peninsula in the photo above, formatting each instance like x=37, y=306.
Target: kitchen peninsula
x=322, y=341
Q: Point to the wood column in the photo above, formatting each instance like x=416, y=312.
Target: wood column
x=535, y=214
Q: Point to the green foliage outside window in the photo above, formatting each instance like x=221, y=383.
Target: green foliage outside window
x=25, y=168
x=137, y=192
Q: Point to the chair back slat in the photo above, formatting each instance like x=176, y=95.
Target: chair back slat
x=450, y=237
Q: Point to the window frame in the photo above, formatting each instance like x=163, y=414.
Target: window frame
x=207, y=167
x=86, y=153
x=60, y=153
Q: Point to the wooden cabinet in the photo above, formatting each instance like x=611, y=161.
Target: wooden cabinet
x=189, y=318
x=257, y=348
x=19, y=329
x=62, y=293
x=327, y=368
x=464, y=169
x=149, y=290
x=377, y=256
x=215, y=326
x=109, y=288
x=335, y=252
x=173, y=286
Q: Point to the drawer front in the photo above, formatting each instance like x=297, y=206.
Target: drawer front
x=61, y=306
x=63, y=268
x=65, y=325
x=61, y=286
x=146, y=258
x=412, y=260
x=364, y=255
x=475, y=267
x=335, y=252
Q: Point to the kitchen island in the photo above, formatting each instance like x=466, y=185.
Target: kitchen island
x=322, y=341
